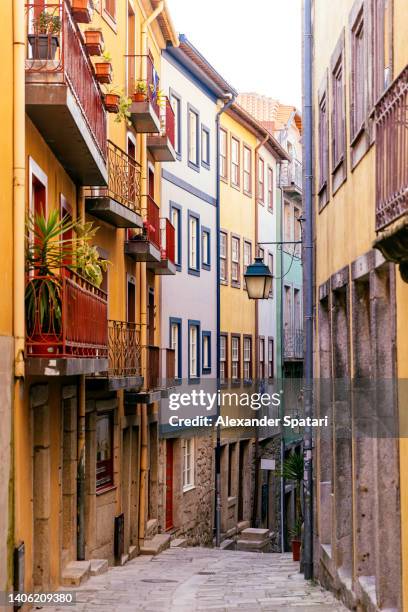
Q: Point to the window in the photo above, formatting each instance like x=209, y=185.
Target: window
x=235, y=162
x=323, y=141
x=261, y=358
x=223, y=257
x=247, y=170
x=338, y=122
x=287, y=224
x=206, y=352
x=261, y=253
x=270, y=189
x=235, y=253
x=175, y=218
x=247, y=358
x=270, y=358
x=193, y=139
x=223, y=358
x=175, y=344
x=297, y=233
x=110, y=8
x=175, y=102
x=223, y=154
x=270, y=266
x=247, y=254
x=358, y=76
x=261, y=179
x=104, y=451
x=205, y=249
x=235, y=361
x=188, y=464
x=205, y=147
x=194, y=349
x=193, y=244
x=383, y=19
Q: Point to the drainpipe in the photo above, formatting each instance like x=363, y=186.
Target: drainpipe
x=81, y=432
x=230, y=100
x=282, y=480
x=18, y=186
x=308, y=255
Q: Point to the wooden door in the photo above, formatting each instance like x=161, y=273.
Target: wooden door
x=169, y=484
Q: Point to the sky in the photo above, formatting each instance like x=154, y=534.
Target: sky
x=255, y=45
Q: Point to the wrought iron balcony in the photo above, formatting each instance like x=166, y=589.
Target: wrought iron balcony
x=293, y=344
x=120, y=202
x=66, y=325
x=158, y=375
x=391, y=152
x=63, y=98
x=125, y=367
x=143, y=88
x=162, y=146
x=291, y=177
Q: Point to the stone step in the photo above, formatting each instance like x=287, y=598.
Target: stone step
x=227, y=545
x=76, y=573
x=152, y=526
x=253, y=545
x=156, y=545
x=251, y=533
x=99, y=566
x=243, y=525
x=133, y=552
x=178, y=543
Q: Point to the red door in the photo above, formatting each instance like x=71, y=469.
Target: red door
x=169, y=484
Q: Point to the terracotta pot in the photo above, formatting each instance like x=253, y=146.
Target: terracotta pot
x=94, y=42
x=112, y=102
x=81, y=11
x=104, y=72
x=139, y=97
x=43, y=47
x=296, y=550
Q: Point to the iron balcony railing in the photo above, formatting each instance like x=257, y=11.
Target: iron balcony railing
x=124, y=349
x=157, y=230
x=291, y=174
x=159, y=367
x=167, y=247
x=61, y=51
x=391, y=151
x=167, y=122
x=293, y=344
x=124, y=179
x=143, y=81
x=66, y=316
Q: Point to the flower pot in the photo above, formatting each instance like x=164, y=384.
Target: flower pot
x=43, y=46
x=112, y=102
x=81, y=11
x=139, y=97
x=103, y=72
x=296, y=550
x=94, y=42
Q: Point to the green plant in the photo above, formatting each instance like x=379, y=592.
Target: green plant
x=141, y=87
x=88, y=260
x=293, y=469
x=295, y=532
x=106, y=57
x=161, y=97
x=47, y=23
x=124, y=112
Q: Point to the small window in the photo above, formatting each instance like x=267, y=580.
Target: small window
x=193, y=138
x=175, y=218
x=188, y=464
x=223, y=154
x=223, y=257
x=175, y=344
x=270, y=189
x=247, y=170
x=261, y=180
x=235, y=162
x=247, y=254
x=206, y=352
x=193, y=244
x=261, y=358
x=193, y=333
x=323, y=142
x=104, y=451
x=261, y=253
x=247, y=358
x=110, y=8
x=270, y=358
x=358, y=75
x=175, y=102
x=223, y=358
x=235, y=360
x=270, y=266
x=235, y=253
x=383, y=45
x=205, y=147
x=338, y=122
x=206, y=249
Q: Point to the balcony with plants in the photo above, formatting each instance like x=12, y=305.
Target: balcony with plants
x=154, y=243
x=63, y=96
x=391, y=153
x=162, y=145
x=143, y=88
x=66, y=310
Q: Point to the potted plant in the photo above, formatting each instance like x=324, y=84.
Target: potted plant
x=94, y=41
x=45, y=39
x=103, y=69
x=82, y=10
x=293, y=470
x=140, y=93
x=123, y=113
x=88, y=261
x=111, y=100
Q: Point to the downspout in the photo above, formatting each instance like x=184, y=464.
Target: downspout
x=231, y=99
x=282, y=480
x=308, y=256
x=81, y=446
x=19, y=170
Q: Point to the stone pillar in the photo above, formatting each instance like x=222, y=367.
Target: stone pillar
x=69, y=474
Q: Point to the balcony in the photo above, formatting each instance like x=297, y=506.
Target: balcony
x=156, y=381
x=143, y=89
x=292, y=345
x=391, y=151
x=154, y=243
x=291, y=178
x=120, y=202
x=162, y=146
x=66, y=325
x=63, y=99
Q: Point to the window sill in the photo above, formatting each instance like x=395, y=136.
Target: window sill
x=236, y=187
x=247, y=193
x=224, y=179
x=194, y=380
x=338, y=164
x=206, y=266
x=236, y=284
x=106, y=489
x=224, y=282
x=188, y=488
x=194, y=272
x=206, y=370
x=357, y=135
x=205, y=165
x=110, y=21
x=193, y=166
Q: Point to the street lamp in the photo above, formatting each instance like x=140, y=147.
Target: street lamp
x=258, y=280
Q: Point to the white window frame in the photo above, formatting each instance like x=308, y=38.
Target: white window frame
x=235, y=161
x=193, y=364
x=223, y=154
x=176, y=212
x=247, y=357
x=192, y=246
x=235, y=259
x=247, y=170
x=224, y=256
x=193, y=137
x=175, y=337
x=235, y=346
x=223, y=357
x=188, y=464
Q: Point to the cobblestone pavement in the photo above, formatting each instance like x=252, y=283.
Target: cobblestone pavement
x=201, y=579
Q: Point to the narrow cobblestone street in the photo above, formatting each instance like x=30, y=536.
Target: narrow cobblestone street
x=186, y=579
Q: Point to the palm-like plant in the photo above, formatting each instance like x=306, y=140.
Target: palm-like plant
x=293, y=469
